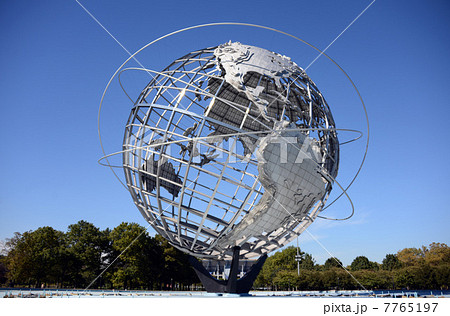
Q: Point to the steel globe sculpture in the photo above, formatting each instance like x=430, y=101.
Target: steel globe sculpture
x=230, y=147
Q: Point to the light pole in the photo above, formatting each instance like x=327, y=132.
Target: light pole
x=298, y=258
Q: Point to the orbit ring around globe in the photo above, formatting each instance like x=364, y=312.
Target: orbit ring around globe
x=255, y=136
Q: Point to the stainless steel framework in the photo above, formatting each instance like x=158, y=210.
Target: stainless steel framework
x=203, y=157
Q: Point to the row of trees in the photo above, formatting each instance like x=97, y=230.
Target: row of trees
x=126, y=257
x=48, y=257
x=411, y=268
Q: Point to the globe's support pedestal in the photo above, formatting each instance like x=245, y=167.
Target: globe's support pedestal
x=232, y=285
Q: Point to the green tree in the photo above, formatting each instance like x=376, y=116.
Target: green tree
x=3, y=270
x=405, y=278
x=280, y=261
x=362, y=263
x=330, y=279
x=310, y=280
x=426, y=277
x=391, y=262
x=345, y=280
x=437, y=254
x=307, y=262
x=86, y=248
x=411, y=256
x=37, y=257
x=372, y=280
x=138, y=264
x=442, y=275
x=332, y=262
x=176, y=271
x=286, y=280
x=285, y=259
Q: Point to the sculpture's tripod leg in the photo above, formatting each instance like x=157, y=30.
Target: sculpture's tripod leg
x=232, y=285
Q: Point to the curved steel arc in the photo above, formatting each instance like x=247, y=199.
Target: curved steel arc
x=211, y=137
x=344, y=191
x=206, y=93
x=249, y=25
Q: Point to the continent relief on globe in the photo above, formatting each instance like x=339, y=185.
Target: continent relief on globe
x=280, y=118
x=293, y=184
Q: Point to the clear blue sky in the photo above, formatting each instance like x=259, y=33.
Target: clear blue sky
x=55, y=62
